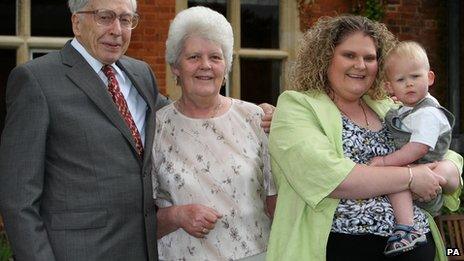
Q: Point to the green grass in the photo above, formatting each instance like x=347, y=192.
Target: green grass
x=5, y=250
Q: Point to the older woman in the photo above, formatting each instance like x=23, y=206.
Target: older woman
x=211, y=164
x=332, y=205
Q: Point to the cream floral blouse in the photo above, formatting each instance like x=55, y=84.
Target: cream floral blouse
x=222, y=163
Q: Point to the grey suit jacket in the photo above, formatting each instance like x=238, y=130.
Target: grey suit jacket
x=71, y=184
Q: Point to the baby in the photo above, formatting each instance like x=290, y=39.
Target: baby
x=421, y=129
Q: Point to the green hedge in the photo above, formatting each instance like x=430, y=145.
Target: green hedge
x=5, y=250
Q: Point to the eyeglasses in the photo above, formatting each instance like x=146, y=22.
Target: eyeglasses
x=107, y=17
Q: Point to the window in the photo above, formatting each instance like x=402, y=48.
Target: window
x=57, y=22
x=260, y=89
x=35, y=53
x=7, y=12
x=219, y=6
x=264, y=43
x=29, y=28
x=7, y=64
x=259, y=24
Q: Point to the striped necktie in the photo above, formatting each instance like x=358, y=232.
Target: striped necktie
x=118, y=99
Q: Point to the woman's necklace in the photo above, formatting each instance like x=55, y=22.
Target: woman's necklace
x=362, y=108
x=364, y=112
x=216, y=108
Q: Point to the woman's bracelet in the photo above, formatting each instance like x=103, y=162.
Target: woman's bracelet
x=411, y=177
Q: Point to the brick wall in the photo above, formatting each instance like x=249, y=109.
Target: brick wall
x=423, y=21
x=310, y=12
x=148, y=39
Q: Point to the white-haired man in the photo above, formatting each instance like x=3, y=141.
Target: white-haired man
x=74, y=171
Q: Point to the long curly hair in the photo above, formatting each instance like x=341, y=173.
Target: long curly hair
x=317, y=49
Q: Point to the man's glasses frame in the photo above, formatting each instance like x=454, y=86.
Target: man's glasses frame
x=107, y=17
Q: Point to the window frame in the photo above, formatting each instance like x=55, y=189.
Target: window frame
x=289, y=32
x=23, y=42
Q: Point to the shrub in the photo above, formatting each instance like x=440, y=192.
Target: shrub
x=5, y=250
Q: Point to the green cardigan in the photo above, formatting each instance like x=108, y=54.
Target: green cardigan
x=307, y=159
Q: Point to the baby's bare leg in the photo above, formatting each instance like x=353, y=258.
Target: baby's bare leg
x=402, y=207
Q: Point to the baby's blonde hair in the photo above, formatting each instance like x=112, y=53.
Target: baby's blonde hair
x=410, y=50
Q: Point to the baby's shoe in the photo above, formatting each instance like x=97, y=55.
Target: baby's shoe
x=404, y=238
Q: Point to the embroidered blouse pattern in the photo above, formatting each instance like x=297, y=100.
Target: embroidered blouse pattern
x=222, y=163
x=374, y=215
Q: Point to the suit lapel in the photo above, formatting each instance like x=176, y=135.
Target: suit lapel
x=149, y=135
x=84, y=77
x=148, y=96
x=135, y=78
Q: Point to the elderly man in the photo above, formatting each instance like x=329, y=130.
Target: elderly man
x=75, y=154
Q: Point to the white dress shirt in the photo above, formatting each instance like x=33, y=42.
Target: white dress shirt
x=426, y=124
x=136, y=104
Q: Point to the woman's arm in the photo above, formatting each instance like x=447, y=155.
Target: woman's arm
x=195, y=219
x=306, y=151
x=367, y=181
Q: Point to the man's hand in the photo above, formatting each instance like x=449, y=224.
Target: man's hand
x=267, y=118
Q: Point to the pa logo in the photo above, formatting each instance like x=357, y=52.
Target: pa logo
x=453, y=252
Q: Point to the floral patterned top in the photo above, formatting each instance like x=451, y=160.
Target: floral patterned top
x=222, y=163
x=374, y=215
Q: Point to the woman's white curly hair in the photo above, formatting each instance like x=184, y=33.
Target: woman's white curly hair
x=203, y=22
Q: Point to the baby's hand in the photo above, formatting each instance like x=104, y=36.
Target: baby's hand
x=377, y=162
